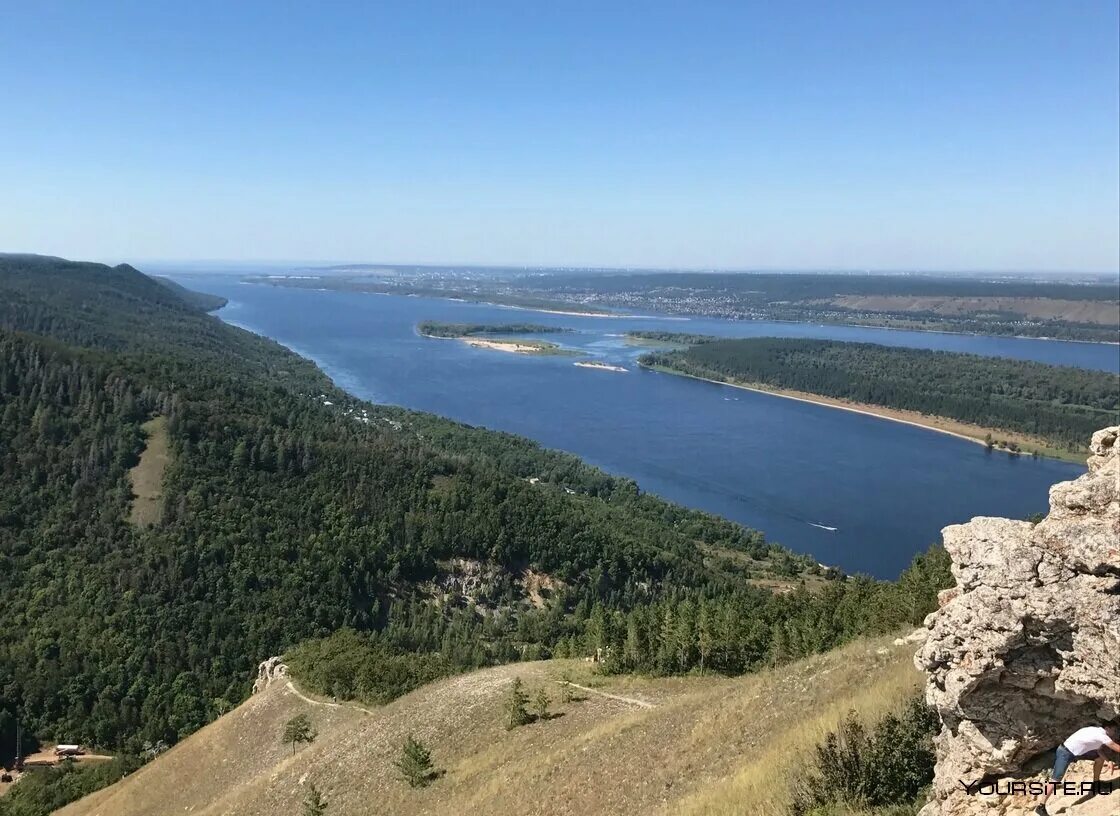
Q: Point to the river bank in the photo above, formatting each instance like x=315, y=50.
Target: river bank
x=535, y=347
x=1028, y=445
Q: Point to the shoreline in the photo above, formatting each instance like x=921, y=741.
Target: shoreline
x=598, y=366
x=512, y=346
x=687, y=316
x=528, y=308
x=927, y=422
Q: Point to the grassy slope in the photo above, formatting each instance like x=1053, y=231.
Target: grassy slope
x=706, y=746
x=147, y=476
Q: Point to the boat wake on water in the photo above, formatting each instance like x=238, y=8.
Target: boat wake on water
x=821, y=526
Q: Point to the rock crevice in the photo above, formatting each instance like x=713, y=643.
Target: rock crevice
x=1025, y=649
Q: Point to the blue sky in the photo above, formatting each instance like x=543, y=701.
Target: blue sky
x=877, y=135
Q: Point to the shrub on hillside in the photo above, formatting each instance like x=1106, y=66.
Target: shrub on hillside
x=314, y=804
x=885, y=767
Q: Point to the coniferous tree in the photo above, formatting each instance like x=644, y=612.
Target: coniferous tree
x=415, y=763
x=566, y=689
x=704, y=636
x=541, y=703
x=515, y=711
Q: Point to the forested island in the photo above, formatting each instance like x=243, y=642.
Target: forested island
x=670, y=338
x=1019, y=405
x=496, y=337
x=292, y=513
x=432, y=328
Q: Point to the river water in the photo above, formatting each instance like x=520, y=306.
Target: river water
x=856, y=491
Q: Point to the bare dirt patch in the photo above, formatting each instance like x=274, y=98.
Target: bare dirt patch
x=147, y=476
x=539, y=587
x=47, y=757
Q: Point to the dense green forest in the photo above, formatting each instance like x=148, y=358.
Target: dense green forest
x=284, y=518
x=201, y=300
x=433, y=328
x=723, y=629
x=1059, y=404
x=45, y=790
x=295, y=514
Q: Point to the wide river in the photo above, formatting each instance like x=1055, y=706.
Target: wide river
x=856, y=491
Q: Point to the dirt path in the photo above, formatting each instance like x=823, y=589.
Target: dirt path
x=628, y=700
x=292, y=688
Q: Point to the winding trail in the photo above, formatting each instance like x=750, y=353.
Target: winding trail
x=629, y=700
x=292, y=688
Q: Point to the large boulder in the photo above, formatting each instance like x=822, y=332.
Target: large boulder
x=1026, y=648
x=273, y=668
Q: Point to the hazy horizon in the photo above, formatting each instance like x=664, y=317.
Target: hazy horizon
x=207, y=264
x=241, y=265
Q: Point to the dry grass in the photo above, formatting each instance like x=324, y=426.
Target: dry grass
x=795, y=718
x=707, y=745
x=223, y=757
x=147, y=476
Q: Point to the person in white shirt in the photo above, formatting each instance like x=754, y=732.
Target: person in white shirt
x=1086, y=743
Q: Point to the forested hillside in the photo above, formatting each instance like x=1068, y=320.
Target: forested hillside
x=292, y=511
x=200, y=300
x=1059, y=404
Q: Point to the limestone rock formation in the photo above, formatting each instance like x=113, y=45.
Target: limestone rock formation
x=1026, y=648
x=271, y=669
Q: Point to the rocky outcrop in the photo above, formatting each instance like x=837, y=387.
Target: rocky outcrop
x=271, y=669
x=1025, y=649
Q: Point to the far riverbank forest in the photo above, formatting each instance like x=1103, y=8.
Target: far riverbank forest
x=1061, y=405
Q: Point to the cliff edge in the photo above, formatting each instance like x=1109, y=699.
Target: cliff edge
x=1025, y=649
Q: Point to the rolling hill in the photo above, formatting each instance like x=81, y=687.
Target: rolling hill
x=698, y=745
